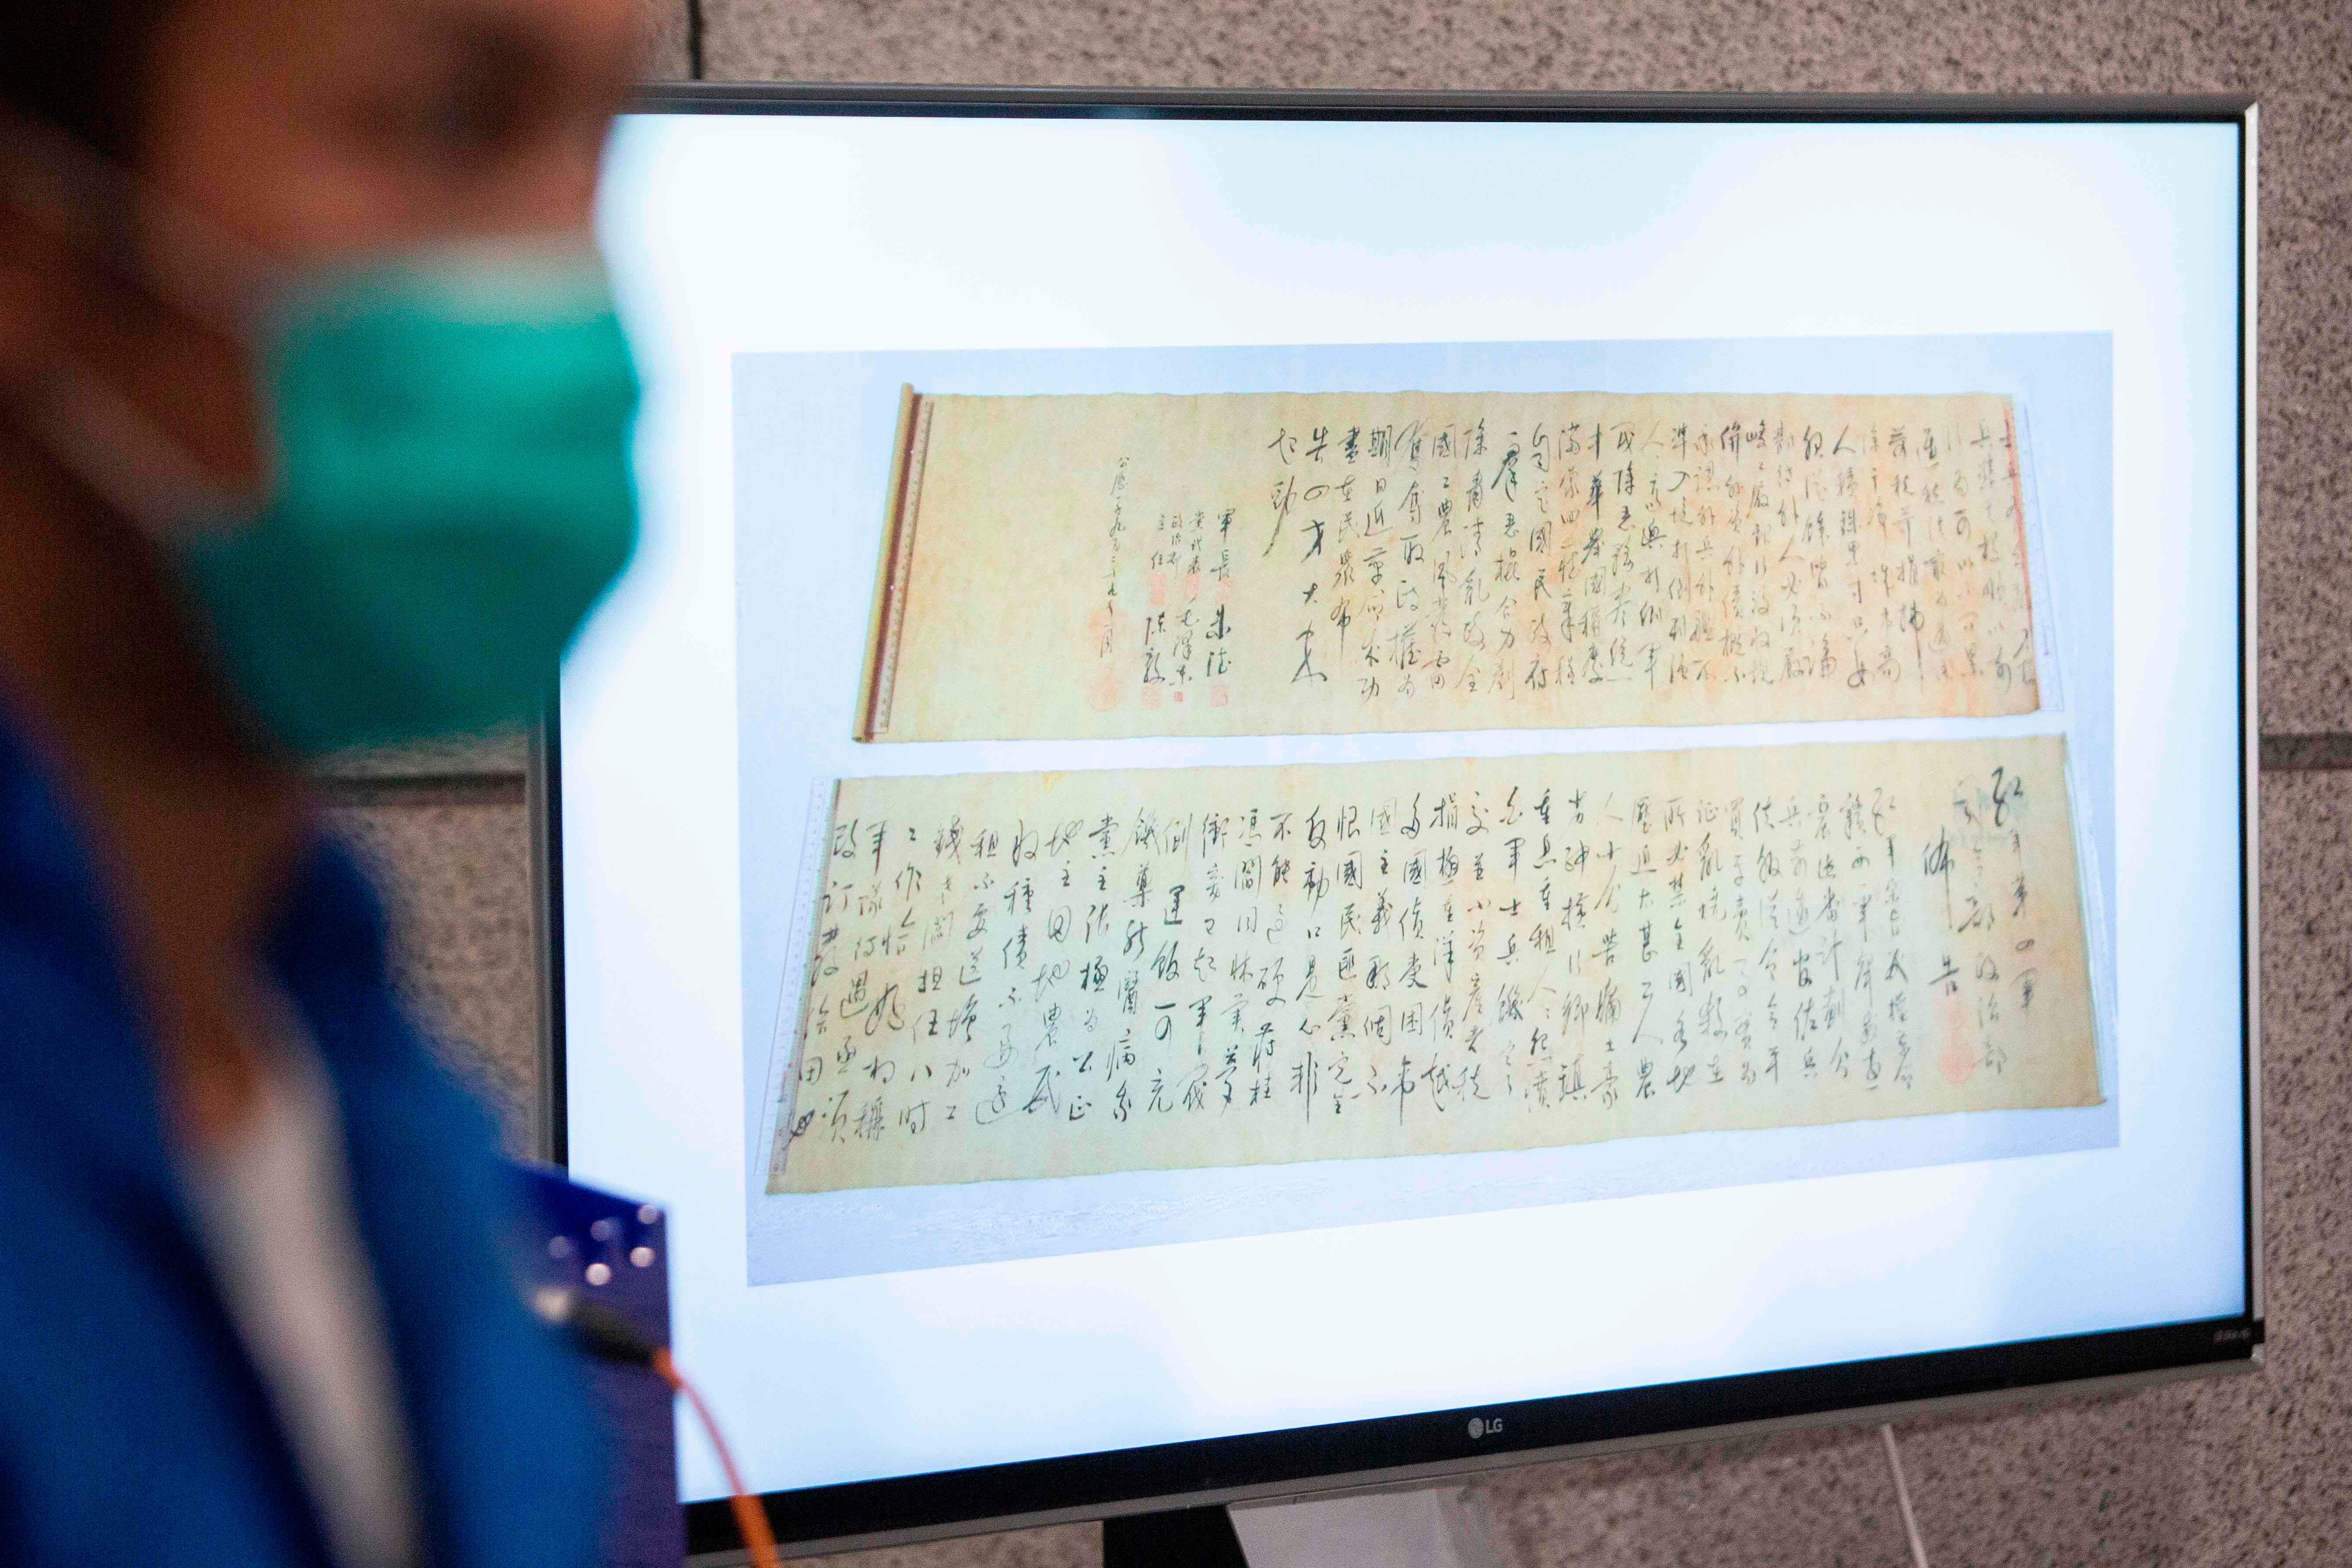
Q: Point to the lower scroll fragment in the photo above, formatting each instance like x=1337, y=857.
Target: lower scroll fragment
x=1020, y=975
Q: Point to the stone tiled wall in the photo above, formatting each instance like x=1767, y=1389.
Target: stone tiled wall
x=2253, y=1469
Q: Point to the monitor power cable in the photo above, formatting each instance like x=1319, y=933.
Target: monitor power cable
x=1903, y=1495
x=606, y=1335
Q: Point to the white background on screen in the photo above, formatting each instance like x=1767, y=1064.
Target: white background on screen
x=756, y=233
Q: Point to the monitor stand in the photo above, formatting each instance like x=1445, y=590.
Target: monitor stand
x=1433, y=1528
x=1180, y=1538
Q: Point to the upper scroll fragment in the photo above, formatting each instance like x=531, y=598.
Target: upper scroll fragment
x=1243, y=565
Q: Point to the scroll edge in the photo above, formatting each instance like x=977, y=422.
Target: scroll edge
x=885, y=614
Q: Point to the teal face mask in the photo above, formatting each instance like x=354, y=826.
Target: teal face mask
x=449, y=492
x=450, y=497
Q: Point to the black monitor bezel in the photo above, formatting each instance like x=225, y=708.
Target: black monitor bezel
x=1438, y=1443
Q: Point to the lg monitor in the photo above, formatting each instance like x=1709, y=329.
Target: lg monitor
x=1301, y=790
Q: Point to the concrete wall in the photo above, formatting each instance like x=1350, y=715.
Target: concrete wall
x=2247, y=1469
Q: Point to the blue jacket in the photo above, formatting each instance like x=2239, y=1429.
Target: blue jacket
x=133, y=1427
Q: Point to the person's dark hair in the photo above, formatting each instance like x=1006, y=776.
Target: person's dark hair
x=81, y=65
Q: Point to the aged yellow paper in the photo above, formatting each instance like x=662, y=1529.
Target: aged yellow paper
x=1034, y=975
x=1121, y=565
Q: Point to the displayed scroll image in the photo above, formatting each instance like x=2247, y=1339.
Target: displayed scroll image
x=1020, y=975
x=1098, y=566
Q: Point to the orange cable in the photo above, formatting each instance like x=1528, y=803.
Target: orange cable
x=751, y=1519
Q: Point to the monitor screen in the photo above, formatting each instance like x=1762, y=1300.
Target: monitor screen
x=1339, y=785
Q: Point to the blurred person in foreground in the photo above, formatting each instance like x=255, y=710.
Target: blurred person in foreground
x=312, y=425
